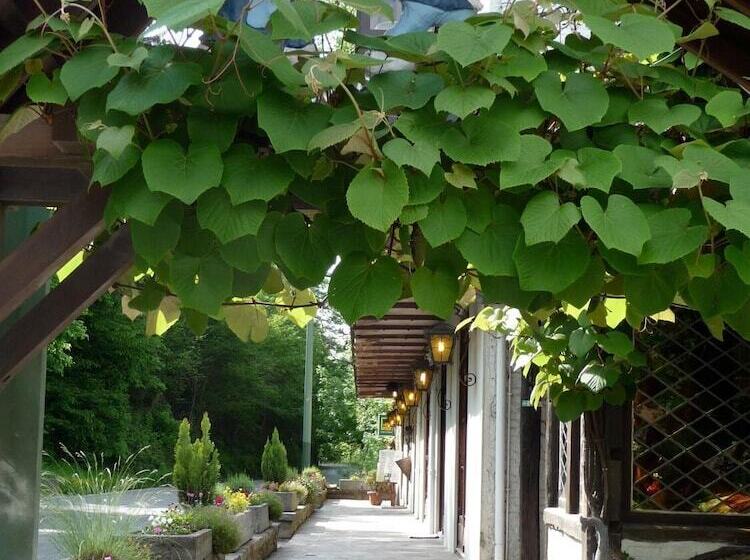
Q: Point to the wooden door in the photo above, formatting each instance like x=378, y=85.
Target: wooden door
x=463, y=401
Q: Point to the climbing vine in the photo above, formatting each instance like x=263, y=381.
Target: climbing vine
x=571, y=161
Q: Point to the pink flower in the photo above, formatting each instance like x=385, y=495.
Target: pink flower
x=219, y=500
x=157, y=531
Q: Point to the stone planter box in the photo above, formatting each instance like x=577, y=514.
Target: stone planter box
x=348, y=485
x=259, y=517
x=289, y=500
x=291, y=521
x=260, y=547
x=195, y=546
x=246, y=526
x=320, y=500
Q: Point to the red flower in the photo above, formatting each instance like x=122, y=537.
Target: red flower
x=218, y=500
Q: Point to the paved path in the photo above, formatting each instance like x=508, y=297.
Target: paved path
x=355, y=530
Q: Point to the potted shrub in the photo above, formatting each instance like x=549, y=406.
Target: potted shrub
x=270, y=501
x=372, y=493
x=237, y=503
x=196, y=468
x=275, y=468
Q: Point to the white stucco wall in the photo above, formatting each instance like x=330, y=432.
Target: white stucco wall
x=451, y=456
x=475, y=452
x=562, y=547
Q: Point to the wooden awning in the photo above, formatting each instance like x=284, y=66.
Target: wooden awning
x=387, y=350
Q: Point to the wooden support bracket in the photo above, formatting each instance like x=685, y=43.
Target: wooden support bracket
x=33, y=262
x=37, y=328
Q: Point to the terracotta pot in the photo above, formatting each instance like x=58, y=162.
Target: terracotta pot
x=375, y=498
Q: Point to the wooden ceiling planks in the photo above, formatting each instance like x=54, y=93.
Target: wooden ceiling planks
x=387, y=350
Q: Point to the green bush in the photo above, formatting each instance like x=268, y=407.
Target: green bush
x=291, y=473
x=275, y=507
x=297, y=487
x=224, y=531
x=274, y=464
x=119, y=548
x=240, y=481
x=196, y=468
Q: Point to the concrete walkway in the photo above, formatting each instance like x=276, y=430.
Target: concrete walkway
x=355, y=530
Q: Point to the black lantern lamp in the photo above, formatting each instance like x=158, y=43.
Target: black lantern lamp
x=441, y=343
x=422, y=378
x=411, y=396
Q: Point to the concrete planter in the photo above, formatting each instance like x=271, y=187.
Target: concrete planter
x=289, y=500
x=290, y=521
x=260, y=547
x=245, y=524
x=195, y=546
x=352, y=486
x=260, y=518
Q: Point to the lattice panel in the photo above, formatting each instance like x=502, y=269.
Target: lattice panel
x=562, y=472
x=691, y=422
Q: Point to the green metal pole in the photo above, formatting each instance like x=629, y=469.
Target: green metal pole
x=307, y=412
x=21, y=418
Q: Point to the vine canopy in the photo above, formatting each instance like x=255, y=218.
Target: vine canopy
x=572, y=161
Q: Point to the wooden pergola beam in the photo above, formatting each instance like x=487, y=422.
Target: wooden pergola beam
x=47, y=319
x=34, y=186
x=33, y=262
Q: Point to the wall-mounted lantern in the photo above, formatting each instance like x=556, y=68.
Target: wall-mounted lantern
x=441, y=343
x=411, y=396
x=422, y=378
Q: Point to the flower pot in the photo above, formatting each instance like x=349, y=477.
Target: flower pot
x=375, y=498
x=245, y=524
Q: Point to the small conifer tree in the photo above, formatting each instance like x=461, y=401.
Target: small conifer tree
x=196, y=469
x=273, y=464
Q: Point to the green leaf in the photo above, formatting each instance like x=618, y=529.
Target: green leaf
x=581, y=341
x=705, y=30
x=115, y=139
x=592, y=169
x=724, y=292
x=420, y=156
x=372, y=7
x=531, y=168
x=180, y=14
x=654, y=112
x=435, y=291
x=491, y=251
x=333, y=135
x=185, y=176
x=516, y=113
x=153, y=242
x=622, y=226
x=479, y=205
x=504, y=290
x=202, y=283
x=579, y=102
x=361, y=286
x=247, y=177
x=617, y=343
x=467, y=44
x=377, y=196
x=217, y=214
x=266, y=52
x=243, y=254
x=728, y=107
x=481, y=140
x=462, y=101
x=740, y=260
x=108, y=169
x=672, y=236
x=641, y=34
x=735, y=215
x=132, y=60
x=421, y=127
x=290, y=125
x=587, y=286
x=131, y=198
x=87, y=70
x=518, y=62
x=288, y=11
x=206, y=127
x=653, y=290
x=597, y=377
x=302, y=248
x=640, y=167
x=423, y=190
x=22, y=49
x=733, y=16
x=550, y=267
x=715, y=164
x=40, y=89
x=461, y=176
x=545, y=220
x=248, y=322
x=404, y=88
x=569, y=405
x=445, y=221
x=136, y=93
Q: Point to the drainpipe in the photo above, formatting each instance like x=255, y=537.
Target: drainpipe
x=500, y=448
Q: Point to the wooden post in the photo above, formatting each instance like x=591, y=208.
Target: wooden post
x=552, y=445
x=573, y=468
x=530, y=441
